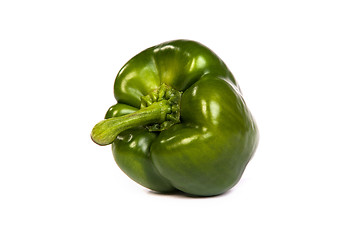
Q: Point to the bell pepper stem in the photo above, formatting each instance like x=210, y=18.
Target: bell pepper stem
x=106, y=131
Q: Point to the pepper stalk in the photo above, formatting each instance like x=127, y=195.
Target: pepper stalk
x=159, y=110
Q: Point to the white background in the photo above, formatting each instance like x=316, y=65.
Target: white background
x=298, y=65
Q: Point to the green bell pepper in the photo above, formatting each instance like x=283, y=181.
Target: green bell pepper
x=180, y=122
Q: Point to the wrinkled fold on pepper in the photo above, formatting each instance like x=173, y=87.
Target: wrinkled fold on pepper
x=180, y=121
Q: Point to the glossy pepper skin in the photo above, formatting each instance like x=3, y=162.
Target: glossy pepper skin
x=195, y=132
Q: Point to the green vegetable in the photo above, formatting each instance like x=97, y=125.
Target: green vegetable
x=180, y=121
